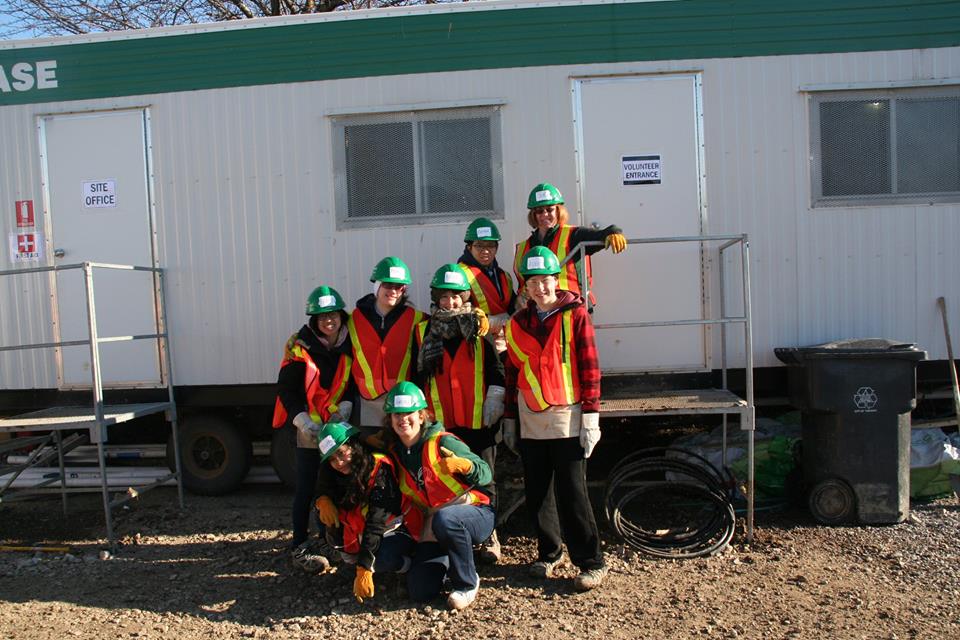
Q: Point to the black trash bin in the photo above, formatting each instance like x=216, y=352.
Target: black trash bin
x=855, y=397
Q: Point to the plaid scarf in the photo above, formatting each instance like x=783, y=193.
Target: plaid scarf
x=445, y=325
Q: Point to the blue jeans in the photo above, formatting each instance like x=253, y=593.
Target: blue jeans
x=457, y=528
x=308, y=464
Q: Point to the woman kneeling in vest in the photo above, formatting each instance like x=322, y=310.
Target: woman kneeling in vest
x=553, y=378
x=450, y=507
x=461, y=374
x=367, y=528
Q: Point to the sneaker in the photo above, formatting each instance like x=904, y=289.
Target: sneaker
x=490, y=550
x=590, y=579
x=306, y=557
x=545, y=568
x=462, y=599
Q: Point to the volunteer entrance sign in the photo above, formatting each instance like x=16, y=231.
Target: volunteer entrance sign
x=641, y=169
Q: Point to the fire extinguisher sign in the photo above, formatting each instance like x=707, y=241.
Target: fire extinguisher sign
x=24, y=213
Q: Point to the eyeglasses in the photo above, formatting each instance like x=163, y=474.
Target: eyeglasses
x=486, y=246
x=541, y=210
x=393, y=286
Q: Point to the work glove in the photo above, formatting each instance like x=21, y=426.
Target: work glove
x=589, y=432
x=363, y=584
x=483, y=323
x=327, y=511
x=493, y=405
x=616, y=242
x=451, y=464
x=305, y=424
x=342, y=414
x=510, y=433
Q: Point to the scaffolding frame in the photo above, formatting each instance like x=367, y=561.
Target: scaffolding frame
x=695, y=401
x=94, y=419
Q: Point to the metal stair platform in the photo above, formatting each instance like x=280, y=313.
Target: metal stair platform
x=677, y=402
x=83, y=417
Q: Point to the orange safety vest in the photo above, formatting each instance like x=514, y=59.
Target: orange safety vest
x=378, y=365
x=321, y=403
x=484, y=290
x=548, y=374
x=456, y=393
x=354, y=521
x=438, y=489
x=568, y=277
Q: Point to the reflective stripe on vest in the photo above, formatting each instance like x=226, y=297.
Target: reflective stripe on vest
x=354, y=521
x=378, y=365
x=568, y=278
x=321, y=403
x=438, y=489
x=485, y=292
x=457, y=392
x=548, y=374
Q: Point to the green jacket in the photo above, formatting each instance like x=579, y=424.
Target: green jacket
x=412, y=458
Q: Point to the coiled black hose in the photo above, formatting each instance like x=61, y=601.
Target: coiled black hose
x=671, y=503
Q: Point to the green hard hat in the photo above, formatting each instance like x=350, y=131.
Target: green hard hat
x=323, y=299
x=544, y=195
x=405, y=397
x=332, y=435
x=539, y=261
x=450, y=276
x=482, y=229
x=391, y=269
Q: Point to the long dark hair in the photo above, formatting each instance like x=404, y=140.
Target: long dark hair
x=360, y=468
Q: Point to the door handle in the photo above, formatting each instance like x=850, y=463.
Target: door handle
x=59, y=253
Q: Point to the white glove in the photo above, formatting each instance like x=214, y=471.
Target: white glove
x=346, y=408
x=493, y=405
x=305, y=424
x=589, y=432
x=498, y=321
x=510, y=433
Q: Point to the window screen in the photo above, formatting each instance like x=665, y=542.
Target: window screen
x=440, y=165
x=891, y=146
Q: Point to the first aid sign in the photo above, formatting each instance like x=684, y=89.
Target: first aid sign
x=99, y=194
x=26, y=247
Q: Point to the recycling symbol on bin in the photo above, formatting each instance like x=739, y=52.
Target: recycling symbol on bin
x=865, y=398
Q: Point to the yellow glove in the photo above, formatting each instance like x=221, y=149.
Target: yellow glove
x=363, y=584
x=327, y=511
x=484, y=324
x=616, y=242
x=451, y=464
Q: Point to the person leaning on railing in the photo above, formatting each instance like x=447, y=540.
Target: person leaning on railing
x=548, y=217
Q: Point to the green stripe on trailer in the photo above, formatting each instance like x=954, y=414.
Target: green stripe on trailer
x=465, y=40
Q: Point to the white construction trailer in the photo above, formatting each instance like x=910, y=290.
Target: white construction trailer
x=252, y=161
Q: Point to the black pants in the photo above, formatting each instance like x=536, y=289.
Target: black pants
x=308, y=463
x=555, y=478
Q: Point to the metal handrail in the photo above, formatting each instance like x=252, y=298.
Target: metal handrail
x=729, y=240
x=98, y=432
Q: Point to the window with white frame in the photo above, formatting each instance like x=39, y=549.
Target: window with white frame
x=886, y=146
x=434, y=165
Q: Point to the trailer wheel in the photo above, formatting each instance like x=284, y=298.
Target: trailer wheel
x=214, y=454
x=283, y=456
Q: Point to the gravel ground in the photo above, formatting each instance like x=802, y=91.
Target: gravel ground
x=219, y=569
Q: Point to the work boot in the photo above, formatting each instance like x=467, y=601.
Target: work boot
x=545, y=568
x=308, y=558
x=490, y=550
x=590, y=579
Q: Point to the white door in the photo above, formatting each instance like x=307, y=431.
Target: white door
x=639, y=165
x=97, y=197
